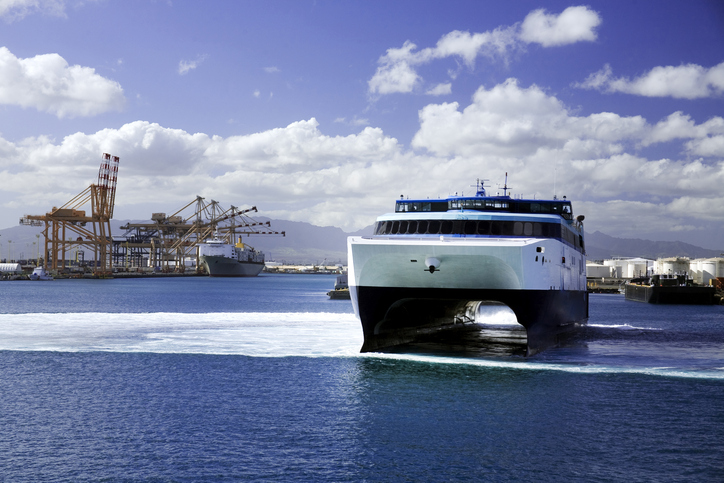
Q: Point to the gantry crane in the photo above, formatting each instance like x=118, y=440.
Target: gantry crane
x=168, y=241
x=71, y=220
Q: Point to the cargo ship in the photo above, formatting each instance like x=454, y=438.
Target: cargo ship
x=669, y=289
x=222, y=259
x=431, y=264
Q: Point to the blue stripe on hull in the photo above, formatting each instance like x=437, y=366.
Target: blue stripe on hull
x=393, y=315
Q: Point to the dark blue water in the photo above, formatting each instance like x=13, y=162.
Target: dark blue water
x=262, y=381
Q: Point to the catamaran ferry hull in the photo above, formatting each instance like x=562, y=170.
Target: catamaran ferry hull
x=399, y=299
x=393, y=316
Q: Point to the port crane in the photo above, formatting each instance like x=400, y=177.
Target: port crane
x=167, y=241
x=70, y=226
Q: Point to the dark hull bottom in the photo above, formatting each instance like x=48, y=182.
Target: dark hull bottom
x=395, y=316
x=670, y=295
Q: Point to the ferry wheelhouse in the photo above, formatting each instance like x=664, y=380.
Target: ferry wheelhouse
x=431, y=264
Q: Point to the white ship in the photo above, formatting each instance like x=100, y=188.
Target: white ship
x=39, y=273
x=227, y=260
x=432, y=263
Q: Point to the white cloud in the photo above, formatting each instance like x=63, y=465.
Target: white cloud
x=574, y=24
x=299, y=173
x=185, y=66
x=688, y=81
x=47, y=83
x=17, y=9
x=440, y=90
x=272, y=70
x=396, y=71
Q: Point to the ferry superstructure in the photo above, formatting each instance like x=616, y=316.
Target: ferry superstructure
x=432, y=263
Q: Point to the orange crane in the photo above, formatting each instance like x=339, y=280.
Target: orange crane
x=71, y=220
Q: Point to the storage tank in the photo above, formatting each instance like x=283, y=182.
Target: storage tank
x=673, y=265
x=637, y=268
x=709, y=270
x=616, y=268
x=695, y=270
x=596, y=270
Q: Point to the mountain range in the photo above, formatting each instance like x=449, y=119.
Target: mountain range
x=305, y=243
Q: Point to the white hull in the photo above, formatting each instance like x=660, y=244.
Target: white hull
x=479, y=263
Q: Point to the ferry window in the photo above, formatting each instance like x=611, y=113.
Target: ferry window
x=495, y=228
x=388, y=227
x=400, y=207
x=567, y=212
x=534, y=207
x=507, y=228
x=483, y=227
x=438, y=206
x=447, y=227
x=470, y=227
x=528, y=229
x=379, y=226
x=422, y=227
x=537, y=229
x=395, y=227
x=517, y=228
x=403, y=227
x=434, y=227
x=523, y=208
x=453, y=205
x=545, y=207
x=412, y=227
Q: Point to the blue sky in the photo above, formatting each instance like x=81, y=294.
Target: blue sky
x=326, y=112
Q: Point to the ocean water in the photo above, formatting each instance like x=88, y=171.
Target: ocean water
x=200, y=379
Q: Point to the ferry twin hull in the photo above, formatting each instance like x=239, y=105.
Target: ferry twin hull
x=398, y=300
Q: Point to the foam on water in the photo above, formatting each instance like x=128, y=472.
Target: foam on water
x=257, y=334
x=253, y=334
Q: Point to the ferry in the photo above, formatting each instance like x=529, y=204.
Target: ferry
x=430, y=266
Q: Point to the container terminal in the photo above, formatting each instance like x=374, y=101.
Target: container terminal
x=167, y=244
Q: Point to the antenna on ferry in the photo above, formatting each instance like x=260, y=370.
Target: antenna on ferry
x=505, y=187
x=480, y=189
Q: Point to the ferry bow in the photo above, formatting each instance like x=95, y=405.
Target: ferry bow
x=430, y=265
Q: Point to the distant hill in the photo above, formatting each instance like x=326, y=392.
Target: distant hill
x=600, y=246
x=305, y=243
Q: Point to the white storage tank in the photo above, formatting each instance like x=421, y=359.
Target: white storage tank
x=673, y=265
x=596, y=270
x=709, y=270
x=616, y=268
